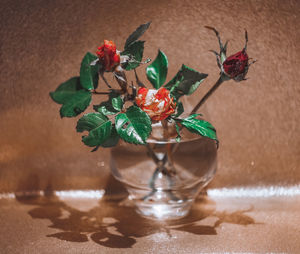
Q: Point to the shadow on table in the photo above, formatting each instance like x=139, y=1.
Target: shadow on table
x=116, y=225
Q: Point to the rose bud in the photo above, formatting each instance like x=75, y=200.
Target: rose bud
x=235, y=66
x=158, y=104
x=108, y=56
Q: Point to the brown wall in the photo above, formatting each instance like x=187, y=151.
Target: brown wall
x=43, y=42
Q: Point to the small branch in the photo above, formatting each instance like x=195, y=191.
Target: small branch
x=208, y=94
x=217, y=34
x=122, y=80
x=169, y=151
x=164, y=124
x=152, y=184
x=95, y=92
x=104, y=79
x=140, y=84
x=152, y=154
x=246, y=39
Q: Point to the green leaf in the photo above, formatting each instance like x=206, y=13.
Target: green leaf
x=185, y=82
x=66, y=90
x=157, y=71
x=76, y=104
x=135, y=53
x=111, y=141
x=113, y=138
x=178, y=138
x=199, y=126
x=110, y=107
x=134, y=126
x=99, y=127
x=223, y=52
x=105, y=108
x=136, y=34
x=179, y=109
x=116, y=102
x=89, y=73
x=74, y=99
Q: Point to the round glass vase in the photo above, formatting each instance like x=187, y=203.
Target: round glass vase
x=164, y=177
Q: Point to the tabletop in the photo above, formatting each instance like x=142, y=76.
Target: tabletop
x=64, y=223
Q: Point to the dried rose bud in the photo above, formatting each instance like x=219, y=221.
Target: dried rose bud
x=158, y=104
x=108, y=55
x=236, y=66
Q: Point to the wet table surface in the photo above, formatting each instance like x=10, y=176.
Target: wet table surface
x=90, y=225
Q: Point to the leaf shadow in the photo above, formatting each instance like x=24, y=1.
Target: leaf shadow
x=115, y=224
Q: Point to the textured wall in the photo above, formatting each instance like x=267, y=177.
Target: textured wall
x=43, y=42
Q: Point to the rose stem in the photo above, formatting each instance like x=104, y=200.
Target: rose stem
x=164, y=124
x=158, y=163
x=140, y=84
x=104, y=79
x=208, y=94
x=95, y=92
x=122, y=81
x=169, y=159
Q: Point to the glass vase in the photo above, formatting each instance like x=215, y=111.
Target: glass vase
x=164, y=177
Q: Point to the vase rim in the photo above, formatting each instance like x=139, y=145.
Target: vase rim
x=157, y=136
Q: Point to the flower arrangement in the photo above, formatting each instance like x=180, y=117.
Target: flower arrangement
x=130, y=110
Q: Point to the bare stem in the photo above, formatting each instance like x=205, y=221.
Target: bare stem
x=164, y=124
x=140, y=84
x=208, y=94
x=104, y=79
x=122, y=81
x=168, y=145
x=96, y=92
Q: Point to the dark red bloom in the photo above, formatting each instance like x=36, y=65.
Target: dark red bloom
x=236, y=66
x=108, y=55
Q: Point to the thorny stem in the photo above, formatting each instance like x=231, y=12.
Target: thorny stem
x=208, y=94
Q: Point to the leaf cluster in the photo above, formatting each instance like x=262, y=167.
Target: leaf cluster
x=185, y=82
x=134, y=48
x=109, y=122
x=112, y=120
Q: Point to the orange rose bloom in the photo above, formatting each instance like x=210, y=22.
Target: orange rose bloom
x=108, y=55
x=158, y=104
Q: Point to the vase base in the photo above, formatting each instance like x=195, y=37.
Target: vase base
x=163, y=211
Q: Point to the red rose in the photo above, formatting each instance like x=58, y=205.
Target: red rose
x=158, y=104
x=236, y=66
x=108, y=55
